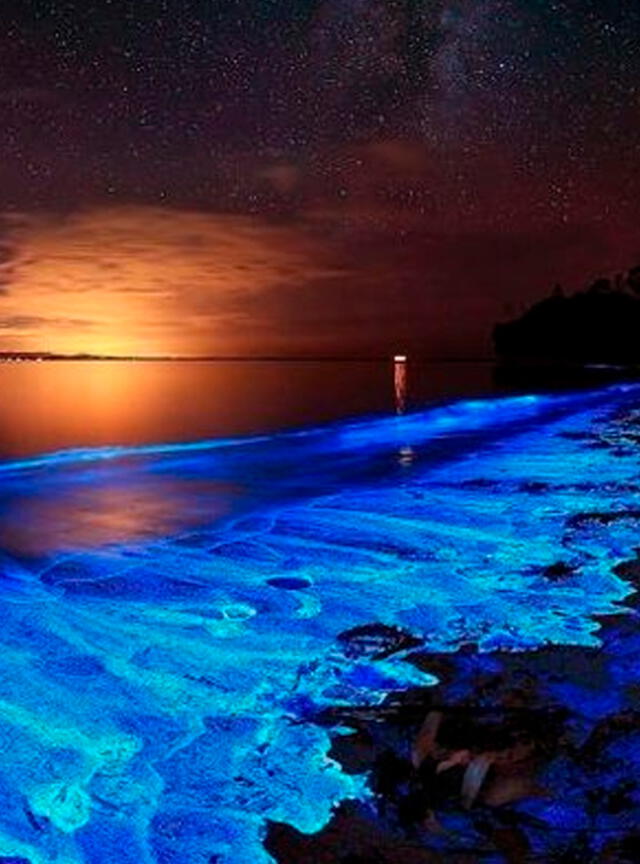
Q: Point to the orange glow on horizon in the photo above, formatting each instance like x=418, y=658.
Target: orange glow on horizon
x=144, y=281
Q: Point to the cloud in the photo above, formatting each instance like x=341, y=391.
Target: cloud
x=362, y=273
x=7, y=257
x=146, y=280
x=39, y=322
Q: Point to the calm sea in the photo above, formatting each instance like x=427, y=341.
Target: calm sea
x=59, y=405
x=171, y=616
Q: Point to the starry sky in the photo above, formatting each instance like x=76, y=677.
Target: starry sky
x=308, y=176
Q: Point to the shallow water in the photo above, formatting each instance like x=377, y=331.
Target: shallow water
x=171, y=611
x=55, y=405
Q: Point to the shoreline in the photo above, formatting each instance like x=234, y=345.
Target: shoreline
x=241, y=639
x=524, y=756
x=559, y=726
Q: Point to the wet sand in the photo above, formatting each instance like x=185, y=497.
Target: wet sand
x=525, y=756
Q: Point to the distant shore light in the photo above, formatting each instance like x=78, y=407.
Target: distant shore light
x=400, y=358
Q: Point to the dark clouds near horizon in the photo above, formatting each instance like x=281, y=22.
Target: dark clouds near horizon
x=433, y=161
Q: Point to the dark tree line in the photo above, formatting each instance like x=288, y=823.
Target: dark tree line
x=600, y=324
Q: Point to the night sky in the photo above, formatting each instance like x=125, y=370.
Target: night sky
x=288, y=176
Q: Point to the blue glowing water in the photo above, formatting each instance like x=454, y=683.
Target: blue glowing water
x=170, y=613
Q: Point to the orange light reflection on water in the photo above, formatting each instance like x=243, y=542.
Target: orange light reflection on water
x=95, y=515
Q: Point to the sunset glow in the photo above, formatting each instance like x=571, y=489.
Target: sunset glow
x=138, y=280
x=319, y=431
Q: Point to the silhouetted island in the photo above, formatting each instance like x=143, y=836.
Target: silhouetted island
x=599, y=325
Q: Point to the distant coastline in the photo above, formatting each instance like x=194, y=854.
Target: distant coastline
x=598, y=325
x=46, y=356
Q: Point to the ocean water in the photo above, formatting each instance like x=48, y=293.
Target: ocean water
x=171, y=609
x=52, y=406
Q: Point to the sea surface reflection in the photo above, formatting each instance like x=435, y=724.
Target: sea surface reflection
x=172, y=610
x=58, y=405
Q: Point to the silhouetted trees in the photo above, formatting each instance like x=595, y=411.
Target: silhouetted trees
x=633, y=279
x=600, y=324
x=600, y=286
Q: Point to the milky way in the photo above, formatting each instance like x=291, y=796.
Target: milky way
x=422, y=141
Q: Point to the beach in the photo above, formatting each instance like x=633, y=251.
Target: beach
x=207, y=676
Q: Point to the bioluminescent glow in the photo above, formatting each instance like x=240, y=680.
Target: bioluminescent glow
x=160, y=676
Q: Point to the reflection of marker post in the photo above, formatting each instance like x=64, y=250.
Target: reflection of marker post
x=400, y=382
x=405, y=453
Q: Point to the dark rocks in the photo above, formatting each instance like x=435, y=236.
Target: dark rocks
x=630, y=571
x=289, y=584
x=579, y=520
x=559, y=571
x=376, y=641
x=530, y=756
x=535, y=487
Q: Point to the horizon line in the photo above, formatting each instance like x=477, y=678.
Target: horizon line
x=50, y=356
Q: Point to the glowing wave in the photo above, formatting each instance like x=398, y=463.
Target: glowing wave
x=157, y=689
